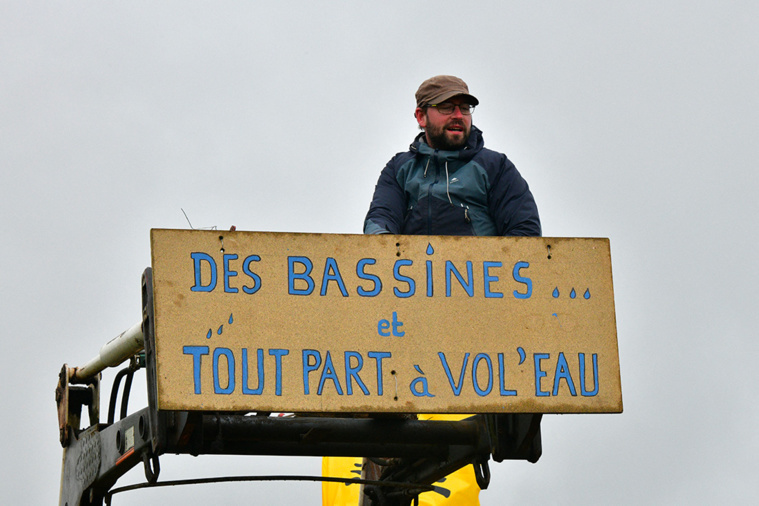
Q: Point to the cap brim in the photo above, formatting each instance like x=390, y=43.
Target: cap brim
x=471, y=99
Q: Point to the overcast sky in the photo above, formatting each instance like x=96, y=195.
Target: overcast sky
x=636, y=121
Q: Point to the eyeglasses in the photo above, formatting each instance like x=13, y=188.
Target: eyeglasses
x=448, y=108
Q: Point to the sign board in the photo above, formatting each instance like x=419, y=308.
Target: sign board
x=250, y=321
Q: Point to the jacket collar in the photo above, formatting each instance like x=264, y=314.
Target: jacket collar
x=473, y=145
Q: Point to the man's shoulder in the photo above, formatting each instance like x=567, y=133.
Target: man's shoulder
x=491, y=159
x=400, y=159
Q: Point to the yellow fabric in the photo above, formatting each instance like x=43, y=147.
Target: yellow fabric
x=340, y=494
x=458, y=488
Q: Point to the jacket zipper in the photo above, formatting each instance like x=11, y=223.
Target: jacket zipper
x=429, y=194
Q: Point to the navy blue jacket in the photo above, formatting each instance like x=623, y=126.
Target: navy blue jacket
x=474, y=191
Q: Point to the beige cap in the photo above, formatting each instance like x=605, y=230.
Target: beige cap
x=440, y=88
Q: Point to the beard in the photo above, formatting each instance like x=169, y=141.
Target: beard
x=440, y=138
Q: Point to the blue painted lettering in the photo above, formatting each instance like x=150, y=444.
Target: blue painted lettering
x=351, y=372
x=292, y=276
x=467, y=285
x=363, y=292
x=278, y=354
x=456, y=388
x=196, y=352
x=353, y=364
x=562, y=373
x=252, y=275
x=502, y=373
x=378, y=356
x=197, y=259
x=419, y=386
x=430, y=291
x=246, y=390
x=217, y=388
x=539, y=373
x=488, y=279
x=328, y=373
x=521, y=279
x=583, y=391
x=332, y=273
x=475, y=363
x=308, y=367
x=228, y=273
x=396, y=324
x=404, y=279
x=225, y=373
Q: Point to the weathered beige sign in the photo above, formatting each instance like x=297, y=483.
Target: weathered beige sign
x=248, y=321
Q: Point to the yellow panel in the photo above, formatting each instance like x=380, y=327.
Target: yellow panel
x=251, y=321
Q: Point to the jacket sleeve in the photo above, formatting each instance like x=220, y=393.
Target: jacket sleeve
x=388, y=205
x=511, y=203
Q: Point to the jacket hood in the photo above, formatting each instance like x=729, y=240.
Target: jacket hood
x=474, y=144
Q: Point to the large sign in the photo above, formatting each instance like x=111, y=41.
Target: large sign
x=249, y=321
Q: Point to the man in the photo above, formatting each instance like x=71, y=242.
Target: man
x=448, y=183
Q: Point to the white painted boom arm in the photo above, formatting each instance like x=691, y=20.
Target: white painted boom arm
x=114, y=352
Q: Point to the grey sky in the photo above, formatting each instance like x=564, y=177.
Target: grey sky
x=633, y=121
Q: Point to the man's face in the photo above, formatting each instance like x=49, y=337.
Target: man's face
x=447, y=132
